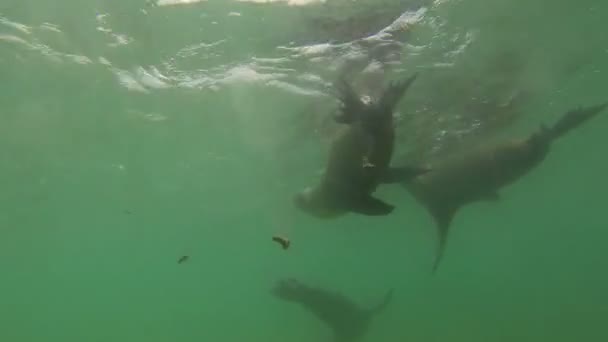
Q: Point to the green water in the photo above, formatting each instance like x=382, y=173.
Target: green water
x=132, y=134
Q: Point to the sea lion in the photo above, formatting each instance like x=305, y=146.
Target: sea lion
x=480, y=174
x=359, y=158
x=348, y=321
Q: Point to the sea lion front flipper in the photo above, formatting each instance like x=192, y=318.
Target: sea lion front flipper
x=351, y=104
x=372, y=206
x=401, y=174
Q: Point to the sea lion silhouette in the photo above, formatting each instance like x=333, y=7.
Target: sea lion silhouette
x=359, y=157
x=480, y=174
x=348, y=321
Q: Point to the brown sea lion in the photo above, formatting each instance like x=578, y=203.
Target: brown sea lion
x=359, y=158
x=348, y=321
x=480, y=174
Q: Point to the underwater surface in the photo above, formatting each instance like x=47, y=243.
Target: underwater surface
x=150, y=150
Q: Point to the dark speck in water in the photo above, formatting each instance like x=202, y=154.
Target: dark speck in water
x=284, y=242
x=183, y=259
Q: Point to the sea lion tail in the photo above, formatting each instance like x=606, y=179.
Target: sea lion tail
x=394, y=92
x=573, y=119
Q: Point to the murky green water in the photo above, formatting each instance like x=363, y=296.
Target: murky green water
x=133, y=133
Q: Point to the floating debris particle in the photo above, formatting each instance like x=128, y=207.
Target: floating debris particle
x=284, y=242
x=183, y=259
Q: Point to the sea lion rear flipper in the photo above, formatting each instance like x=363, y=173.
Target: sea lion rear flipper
x=574, y=118
x=371, y=206
x=403, y=174
x=394, y=92
x=443, y=219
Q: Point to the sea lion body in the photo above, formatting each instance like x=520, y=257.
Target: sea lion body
x=480, y=174
x=359, y=159
x=356, y=160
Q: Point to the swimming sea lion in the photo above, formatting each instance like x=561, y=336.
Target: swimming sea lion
x=359, y=158
x=348, y=321
x=479, y=175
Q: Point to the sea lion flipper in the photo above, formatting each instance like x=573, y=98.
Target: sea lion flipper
x=378, y=308
x=372, y=206
x=574, y=118
x=394, y=92
x=402, y=174
x=351, y=104
x=443, y=219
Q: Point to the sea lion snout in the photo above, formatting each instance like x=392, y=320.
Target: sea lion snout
x=309, y=202
x=302, y=199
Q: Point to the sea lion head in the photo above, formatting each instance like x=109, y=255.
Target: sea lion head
x=305, y=201
x=311, y=202
x=302, y=199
